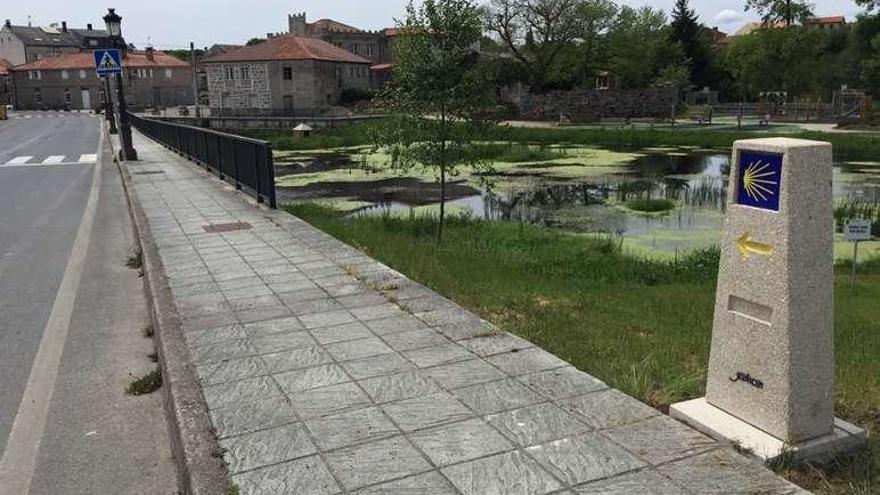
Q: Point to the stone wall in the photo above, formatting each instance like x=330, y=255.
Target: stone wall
x=594, y=105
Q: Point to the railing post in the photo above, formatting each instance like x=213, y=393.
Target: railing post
x=257, y=172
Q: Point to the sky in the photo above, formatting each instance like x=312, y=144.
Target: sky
x=170, y=24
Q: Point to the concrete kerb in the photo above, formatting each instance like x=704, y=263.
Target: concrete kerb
x=194, y=444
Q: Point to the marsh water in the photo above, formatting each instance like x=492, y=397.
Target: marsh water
x=695, y=182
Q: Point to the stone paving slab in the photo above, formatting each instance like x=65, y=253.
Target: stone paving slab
x=326, y=372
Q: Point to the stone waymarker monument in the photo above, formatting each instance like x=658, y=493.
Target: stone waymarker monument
x=771, y=368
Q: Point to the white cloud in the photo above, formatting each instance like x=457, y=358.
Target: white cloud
x=727, y=16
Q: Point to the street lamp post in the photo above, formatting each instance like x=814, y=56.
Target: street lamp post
x=114, y=29
x=108, y=106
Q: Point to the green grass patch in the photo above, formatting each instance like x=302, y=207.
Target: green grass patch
x=650, y=205
x=642, y=325
x=146, y=384
x=847, y=147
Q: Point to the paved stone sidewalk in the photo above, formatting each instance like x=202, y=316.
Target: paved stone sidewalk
x=326, y=372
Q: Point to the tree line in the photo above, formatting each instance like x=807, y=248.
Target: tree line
x=565, y=44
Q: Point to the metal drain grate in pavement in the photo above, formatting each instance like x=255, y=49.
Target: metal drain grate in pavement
x=150, y=172
x=226, y=227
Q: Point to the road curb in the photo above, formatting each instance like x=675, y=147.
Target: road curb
x=194, y=445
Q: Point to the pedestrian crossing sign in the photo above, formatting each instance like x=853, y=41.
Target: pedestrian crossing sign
x=108, y=61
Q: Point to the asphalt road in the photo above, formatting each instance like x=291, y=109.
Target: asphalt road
x=71, y=311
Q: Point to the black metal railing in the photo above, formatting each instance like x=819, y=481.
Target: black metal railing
x=241, y=161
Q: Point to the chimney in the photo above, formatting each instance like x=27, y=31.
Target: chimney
x=64, y=26
x=8, y=23
x=89, y=27
x=150, y=53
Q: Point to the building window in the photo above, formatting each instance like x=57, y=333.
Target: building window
x=288, y=73
x=35, y=74
x=230, y=72
x=38, y=96
x=167, y=73
x=245, y=72
x=67, y=97
x=64, y=74
x=371, y=50
x=353, y=48
x=82, y=74
x=151, y=73
x=93, y=42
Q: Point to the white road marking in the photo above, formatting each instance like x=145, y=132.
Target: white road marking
x=90, y=158
x=19, y=160
x=20, y=457
x=54, y=159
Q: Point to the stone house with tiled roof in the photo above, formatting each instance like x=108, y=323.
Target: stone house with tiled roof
x=25, y=44
x=375, y=46
x=152, y=79
x=284, y=75
x=5, y=82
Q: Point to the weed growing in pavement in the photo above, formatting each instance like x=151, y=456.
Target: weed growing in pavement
x=136, y=260
x=146, y=384
x=148, y=331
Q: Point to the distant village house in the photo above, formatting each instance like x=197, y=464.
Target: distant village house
x=152, y=80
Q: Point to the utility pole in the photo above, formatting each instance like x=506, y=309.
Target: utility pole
x=192, y=58
x=108, y=106
x=114, y=29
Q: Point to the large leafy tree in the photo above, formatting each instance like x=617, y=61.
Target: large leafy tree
x=540, y=33
x=439, y=102
x=640, y=48
x=787, y=11
x=778, y=60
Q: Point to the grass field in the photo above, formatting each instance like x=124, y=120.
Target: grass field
x=641, y=325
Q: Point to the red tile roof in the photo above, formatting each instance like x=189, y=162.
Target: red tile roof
x=382, y=67
x=836, y=19
x=133, y=60
x=289, y=48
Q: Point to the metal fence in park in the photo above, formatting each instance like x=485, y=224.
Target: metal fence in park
x=244, y=162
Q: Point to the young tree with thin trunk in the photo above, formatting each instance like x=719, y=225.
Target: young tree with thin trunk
x=788, y=11
x=439, y=103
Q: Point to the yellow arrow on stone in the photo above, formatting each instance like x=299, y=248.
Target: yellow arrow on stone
x=747, y=246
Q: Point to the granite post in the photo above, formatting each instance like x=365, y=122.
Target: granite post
x=771, y=368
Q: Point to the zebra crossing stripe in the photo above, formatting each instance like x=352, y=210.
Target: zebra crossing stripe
x=19, y=160
x=54, y=159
